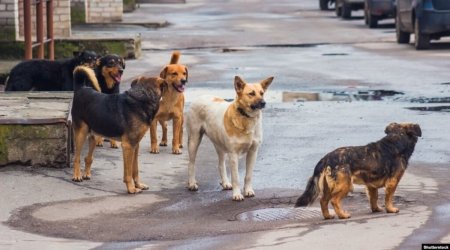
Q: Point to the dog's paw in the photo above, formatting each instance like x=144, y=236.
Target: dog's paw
x=99, y=144
x=344, y=215
x=328, y=217
x=134, y=190
x=249, y=192
x=377, y=210
x=226, y=185
x=86, y=177
x=114, y=144
x=238, y=197
x=392, y=210
x=154, y=151
x=77, y=178
x=193, y=186
x=163, y=144
x=176, y=151
x=142, y=186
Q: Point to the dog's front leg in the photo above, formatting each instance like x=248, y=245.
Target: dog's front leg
x=137, y=183
x=250, y=163
x=177, y=126
x=128, y=163
x=234, y=164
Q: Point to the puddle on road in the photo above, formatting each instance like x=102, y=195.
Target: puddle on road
x=359, y=95
x=335, y=54
x=435, y=108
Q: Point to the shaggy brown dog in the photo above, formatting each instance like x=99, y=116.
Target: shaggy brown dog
x=376, y=165
x=171, y=106
x=126, y=117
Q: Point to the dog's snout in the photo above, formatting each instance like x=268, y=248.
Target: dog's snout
x=120, y=70
x=262, y=104
x=183, y=81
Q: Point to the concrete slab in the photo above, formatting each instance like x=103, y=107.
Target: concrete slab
x=34, y=129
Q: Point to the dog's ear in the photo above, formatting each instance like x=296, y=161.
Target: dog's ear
x=266, y=83
x=135, y=81
x=162, y=84
x=239, y=84
x=414, y=129
x=163, y=73
x=391, y=128
x=122, y=63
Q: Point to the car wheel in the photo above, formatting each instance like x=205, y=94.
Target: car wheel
x=372, y=21
x=366, y=13
x=323, y=4
x=421, y=41
x=402, y=37
x=338, y=8
x=346, y=11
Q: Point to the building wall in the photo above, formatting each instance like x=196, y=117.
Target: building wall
x=61, y=18
x=8, y=16
x=104, y=11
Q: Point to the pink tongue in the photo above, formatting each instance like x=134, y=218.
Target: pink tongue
x=117, y=78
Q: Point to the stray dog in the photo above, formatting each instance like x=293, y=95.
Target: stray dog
x=234, y=128
x=378, y=164
x=171, y=106
x=126, y=117
x=108, y=71
x=46, y=75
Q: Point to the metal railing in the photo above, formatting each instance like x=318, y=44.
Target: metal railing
x=40, y=42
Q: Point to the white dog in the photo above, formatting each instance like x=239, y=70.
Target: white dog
x=234, y=128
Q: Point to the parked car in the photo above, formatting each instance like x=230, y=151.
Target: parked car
x=427, y=19
x=344, y=8
x=326, y=4
x=375, y=10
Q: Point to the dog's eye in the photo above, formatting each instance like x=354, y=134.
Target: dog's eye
x=261, y=93
x=252, y=93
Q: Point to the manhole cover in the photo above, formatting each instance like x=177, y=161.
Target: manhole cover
x=276, y=214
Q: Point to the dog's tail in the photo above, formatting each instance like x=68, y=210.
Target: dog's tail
x=312, y=190
x=175, y=57
x=85, y=77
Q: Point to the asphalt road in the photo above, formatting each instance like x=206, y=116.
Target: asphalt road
x=306, y=50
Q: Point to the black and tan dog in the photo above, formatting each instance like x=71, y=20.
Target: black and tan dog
x=46, y=75
x=108, y=71
x=172, y=105
x=126, y=117
x=376, y=165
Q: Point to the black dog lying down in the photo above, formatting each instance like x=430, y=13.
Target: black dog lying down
x=125, y=117
x=46, y=75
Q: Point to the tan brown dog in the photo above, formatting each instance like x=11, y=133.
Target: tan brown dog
x=376, y=165
x=171, y=106
x=235, y=128
x=126, y=117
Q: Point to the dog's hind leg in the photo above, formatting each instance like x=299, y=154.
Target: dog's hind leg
x=154, y=137
x=372, y=194
x=233, y=159
x=80, y=133
x=224, y=182
x=194, y=138
x=89, y=158
x=340, y=189
x=177, y=127
x=137, y=181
